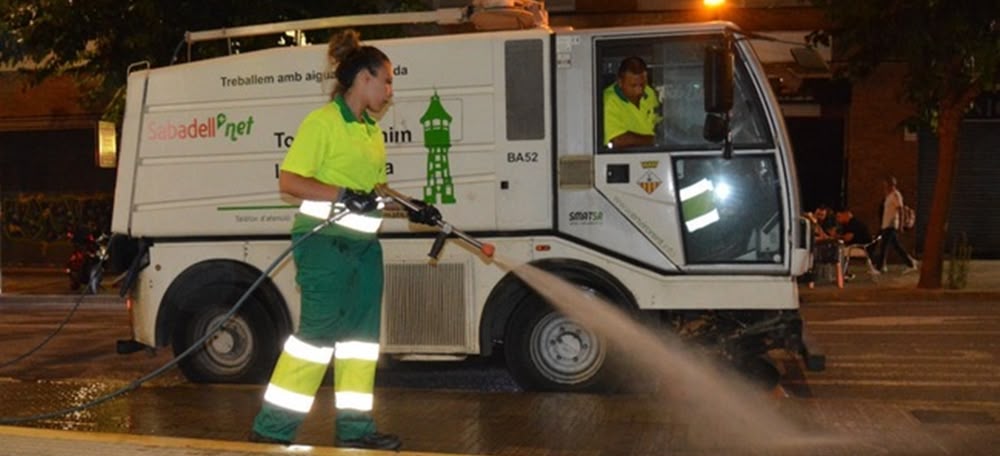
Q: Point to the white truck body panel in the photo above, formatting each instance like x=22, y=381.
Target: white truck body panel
x=202, y=143
x=208, y=147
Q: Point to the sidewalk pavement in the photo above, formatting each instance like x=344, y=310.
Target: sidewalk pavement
x=983, y=285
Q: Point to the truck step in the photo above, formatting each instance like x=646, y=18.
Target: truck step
x=125, y=347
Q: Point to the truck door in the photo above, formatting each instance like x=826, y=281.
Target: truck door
x=705, y=213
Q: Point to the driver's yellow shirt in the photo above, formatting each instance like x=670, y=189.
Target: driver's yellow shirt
x=621, y=116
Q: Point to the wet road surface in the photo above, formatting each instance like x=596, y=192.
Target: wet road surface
x=902, y=378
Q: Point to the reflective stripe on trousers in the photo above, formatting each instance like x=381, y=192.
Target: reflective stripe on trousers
x=297, y=375
x=301, y=367
x=354, y=371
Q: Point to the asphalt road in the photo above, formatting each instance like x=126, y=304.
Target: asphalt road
x=914, y=377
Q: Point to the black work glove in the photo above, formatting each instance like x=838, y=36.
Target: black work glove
x=425, y=213
x=356, y=202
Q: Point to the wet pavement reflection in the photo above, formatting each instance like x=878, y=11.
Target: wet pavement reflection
x=484, y=423
x=894, y=390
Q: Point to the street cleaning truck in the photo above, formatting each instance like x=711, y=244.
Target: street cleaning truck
x=502, y=131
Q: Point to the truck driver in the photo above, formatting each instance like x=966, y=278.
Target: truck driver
x=631, y=107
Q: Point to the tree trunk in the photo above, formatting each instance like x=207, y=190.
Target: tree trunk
x=949, y=122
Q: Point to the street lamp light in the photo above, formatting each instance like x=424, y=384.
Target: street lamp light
x=714, y=7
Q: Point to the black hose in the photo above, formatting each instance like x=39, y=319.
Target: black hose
x=93, y=283
x=197, y=345
x=72, y=311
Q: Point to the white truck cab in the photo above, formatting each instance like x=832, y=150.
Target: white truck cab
x=502, y=132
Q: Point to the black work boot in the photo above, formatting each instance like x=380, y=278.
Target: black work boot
x=261, y=438
x=373, y=441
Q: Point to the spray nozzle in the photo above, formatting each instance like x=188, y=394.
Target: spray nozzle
x=439, y=240
x=445, y=228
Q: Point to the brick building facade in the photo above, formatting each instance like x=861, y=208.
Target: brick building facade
x=878, y=146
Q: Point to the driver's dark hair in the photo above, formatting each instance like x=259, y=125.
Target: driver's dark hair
x=633, y=64
x=349, y=57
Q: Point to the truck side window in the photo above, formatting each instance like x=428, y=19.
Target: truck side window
x=675, y=73
x=524, y=80
x=730, y=209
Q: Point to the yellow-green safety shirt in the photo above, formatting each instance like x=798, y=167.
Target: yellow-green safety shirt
x=621, y=116
x=336, y=148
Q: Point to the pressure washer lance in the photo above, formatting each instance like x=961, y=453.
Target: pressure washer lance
x=445, y=229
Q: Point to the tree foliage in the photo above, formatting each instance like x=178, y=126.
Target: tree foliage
x=96, y=40
x=952, y=51
x=951, y=46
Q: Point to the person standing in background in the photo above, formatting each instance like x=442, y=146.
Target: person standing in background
x=891, y=210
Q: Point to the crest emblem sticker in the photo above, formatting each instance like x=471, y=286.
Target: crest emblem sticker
x=649, y=182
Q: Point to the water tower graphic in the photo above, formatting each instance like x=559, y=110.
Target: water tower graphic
x=437, y=140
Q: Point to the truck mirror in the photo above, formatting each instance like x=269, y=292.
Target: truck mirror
x=717, y=130
x=716, y=127
x=718, y=83
x=718, y=79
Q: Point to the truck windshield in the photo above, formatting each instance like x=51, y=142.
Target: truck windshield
x=675, y=119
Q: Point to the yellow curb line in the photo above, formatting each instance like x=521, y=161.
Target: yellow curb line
x=149, y=442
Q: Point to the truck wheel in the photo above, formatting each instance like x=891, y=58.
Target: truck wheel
x=546, y=351
x=243, y=350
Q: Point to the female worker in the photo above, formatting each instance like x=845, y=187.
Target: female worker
x=337, y=161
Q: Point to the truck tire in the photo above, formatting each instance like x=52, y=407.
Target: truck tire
x=545, y=351
x=243, y=350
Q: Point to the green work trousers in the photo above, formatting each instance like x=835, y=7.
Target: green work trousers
x=340, y=278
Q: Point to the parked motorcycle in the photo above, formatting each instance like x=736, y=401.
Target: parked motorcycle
x=86, y=263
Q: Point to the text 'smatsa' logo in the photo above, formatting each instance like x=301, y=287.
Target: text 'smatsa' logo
x=203, y=128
